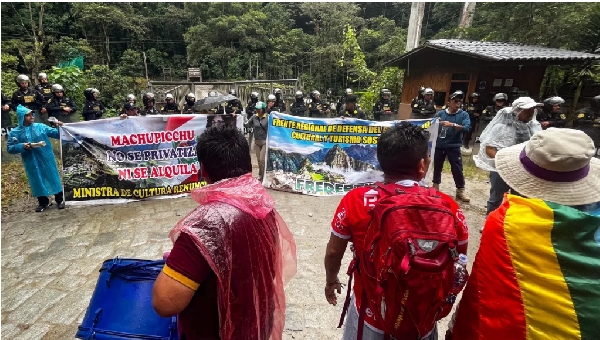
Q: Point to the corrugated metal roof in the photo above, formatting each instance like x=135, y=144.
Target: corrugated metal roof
x=500, y=51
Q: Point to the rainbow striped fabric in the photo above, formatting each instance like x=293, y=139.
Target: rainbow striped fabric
x=536, y=275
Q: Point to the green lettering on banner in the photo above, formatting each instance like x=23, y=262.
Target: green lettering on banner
x=348, y=187
x=319, y=187
x=309, y=186
x=329, y=189
x=299, y=184
x=339, y=188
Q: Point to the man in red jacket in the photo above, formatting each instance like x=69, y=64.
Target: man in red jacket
x=402, y=152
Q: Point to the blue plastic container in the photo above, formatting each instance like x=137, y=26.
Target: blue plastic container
x=121, y=307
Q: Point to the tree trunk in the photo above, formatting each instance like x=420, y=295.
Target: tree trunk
x=467, y=17
x=571, y=116
x=417, y=12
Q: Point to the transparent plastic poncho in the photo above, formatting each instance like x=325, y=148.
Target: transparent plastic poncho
x=503, y=131
x=250, y=249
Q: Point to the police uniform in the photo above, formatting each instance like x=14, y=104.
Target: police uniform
x=422, y=108
x=475, y=111
x=588, y=121
x=170, y=108
x=279, y=106
x=55, y=108
x=234, y=106
x=555, y=119
x=356, y=113
x=318, y=109
x=32, y=100
x=149, y=111
x=187, y=108
x=45, y=90
x=93, y=109
x=298, y=107
x=384, y=110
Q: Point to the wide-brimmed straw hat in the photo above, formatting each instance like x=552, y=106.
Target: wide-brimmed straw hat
x=555, y=165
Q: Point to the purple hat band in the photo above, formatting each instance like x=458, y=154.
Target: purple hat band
x=551, y=175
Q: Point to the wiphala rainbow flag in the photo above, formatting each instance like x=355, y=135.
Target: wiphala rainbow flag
x=536, y=275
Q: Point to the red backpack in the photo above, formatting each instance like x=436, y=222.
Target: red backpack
x=407, y=267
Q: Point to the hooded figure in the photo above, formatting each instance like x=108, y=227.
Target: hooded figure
x=38, y=160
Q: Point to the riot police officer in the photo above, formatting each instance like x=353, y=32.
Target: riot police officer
x=500, y=102
x=588, y=121
x=299, y=108
x=44, y=88
x=149, y=101
x=279, y=105
x=93, y=108
x=340, y=105
x=475, y=109
x=129, y=99
x=424, y=107
x=190, y=102
x=234, y=106
x=318, y=108
x=351, y=110
x=60, y=106
x=551, y=114
x=28, y=97
x=384, y=108
x=251, y=105
x=271, y=99
x=170, y=107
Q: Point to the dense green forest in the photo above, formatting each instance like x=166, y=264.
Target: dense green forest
x=327, y=45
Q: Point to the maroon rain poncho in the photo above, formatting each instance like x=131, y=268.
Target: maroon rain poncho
x=250, y=249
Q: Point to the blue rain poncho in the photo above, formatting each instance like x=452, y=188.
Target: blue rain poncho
x=40, y=164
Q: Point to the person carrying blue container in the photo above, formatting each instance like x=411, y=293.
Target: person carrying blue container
x=31, y=140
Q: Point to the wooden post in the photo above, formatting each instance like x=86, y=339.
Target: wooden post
x=417, y=12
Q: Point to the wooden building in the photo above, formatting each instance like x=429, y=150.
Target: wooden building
x=447, y=65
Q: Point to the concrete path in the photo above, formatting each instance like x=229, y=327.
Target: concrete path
x=50, y=260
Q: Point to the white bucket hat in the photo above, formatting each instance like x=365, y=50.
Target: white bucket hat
x=555, y=165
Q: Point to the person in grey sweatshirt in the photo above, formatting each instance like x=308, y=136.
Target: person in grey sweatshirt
x=260, y=124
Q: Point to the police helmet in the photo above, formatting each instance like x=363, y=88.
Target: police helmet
x=212, y=94
x=254, y=95
x=190, y=96
x=87, y=93
x=271, y=98
x=149, y=96
x=427, y=91
x=474, y=95
x=57, y=88
x=387, y=92
x=232, y=92
x=382, y=91
x=550, y=102
x=96, y=91
x=42, y=75
x=21, y=78
x=554, y=100
x=596, y=102
x=131, y=98
x=299, y=94
x=421, y=89
x=277, y=91
x=260, y=106
x=500, y=96
x=349, y=91
x=315, y=93
x=457, y=95
x=169, y=96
